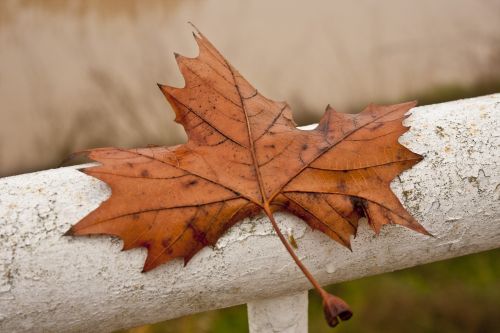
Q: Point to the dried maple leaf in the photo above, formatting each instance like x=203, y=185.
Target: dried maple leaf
x=244, y=155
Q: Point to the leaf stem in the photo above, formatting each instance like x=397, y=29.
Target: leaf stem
x=333, y=306
x=289, y=248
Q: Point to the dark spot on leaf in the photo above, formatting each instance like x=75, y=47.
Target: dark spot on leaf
x=359, y=205
x=191, y=183
x=198, y=235
x=145, y=173
x=165, y=242
x=399, y=156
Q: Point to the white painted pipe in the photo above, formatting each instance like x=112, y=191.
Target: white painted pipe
x=285, y=314
x=51, y=283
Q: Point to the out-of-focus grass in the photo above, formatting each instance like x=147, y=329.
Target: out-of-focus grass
x=453, y=92
x=457, y=295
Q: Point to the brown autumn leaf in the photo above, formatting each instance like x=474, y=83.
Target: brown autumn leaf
x=244, y=155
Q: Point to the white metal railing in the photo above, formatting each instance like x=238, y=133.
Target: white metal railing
x=84, y=284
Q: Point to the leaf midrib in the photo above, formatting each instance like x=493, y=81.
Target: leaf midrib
x=250, y=139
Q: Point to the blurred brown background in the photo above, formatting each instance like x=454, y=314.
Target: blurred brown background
x=82, y=74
